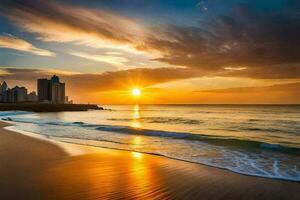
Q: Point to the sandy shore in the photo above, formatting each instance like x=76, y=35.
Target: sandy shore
x=35, y=169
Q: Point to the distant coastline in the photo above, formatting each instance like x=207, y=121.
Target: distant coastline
x=47, y=107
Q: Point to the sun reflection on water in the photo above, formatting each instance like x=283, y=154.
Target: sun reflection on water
x=136, y=112
x=137, y=155
x=135, y=123
x=137, y=140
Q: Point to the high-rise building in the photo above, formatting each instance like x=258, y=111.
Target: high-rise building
x=32, y=97
x=58, y=93
x=55, y=79
x=51, y=91
x=43, y=89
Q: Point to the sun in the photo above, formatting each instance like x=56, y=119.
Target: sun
x=136, y=92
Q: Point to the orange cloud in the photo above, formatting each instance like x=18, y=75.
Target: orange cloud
x=12, y=42
x=58, y=22
x=116, y=60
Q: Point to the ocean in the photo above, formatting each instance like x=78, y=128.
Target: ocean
x=256, y=140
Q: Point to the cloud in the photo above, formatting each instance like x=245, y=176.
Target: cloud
x=12, y=42
x=264, y=43
x=58, y=22
x=235, y=68
x=112, y=59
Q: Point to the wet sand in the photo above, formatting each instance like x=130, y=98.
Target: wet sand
x=35, y=169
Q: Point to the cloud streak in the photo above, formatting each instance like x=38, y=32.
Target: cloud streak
x=12, y=42
x=58, y=22
x=115, y=60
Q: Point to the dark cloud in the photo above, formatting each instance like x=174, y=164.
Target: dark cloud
x=267, y=43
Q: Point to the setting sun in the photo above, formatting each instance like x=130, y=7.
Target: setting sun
x=136, y=92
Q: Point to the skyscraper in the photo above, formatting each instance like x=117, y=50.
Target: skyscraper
x=55, y=79
x=43, y=89
x=58, y=93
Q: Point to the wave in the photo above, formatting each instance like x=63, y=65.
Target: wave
x=161, y=120
x=13, y=113
x=212, y=139
x=250, y=157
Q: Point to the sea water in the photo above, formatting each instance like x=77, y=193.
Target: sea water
x=258, y=140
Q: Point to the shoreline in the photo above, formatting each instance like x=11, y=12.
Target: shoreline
x=73, y=148
x=166, y=178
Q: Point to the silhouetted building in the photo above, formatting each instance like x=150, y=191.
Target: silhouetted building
x=43, y=89
x=3, y=87
x=16, y=94
x=32, y=97
x=58, y=93
x=7, y=96
x=51, y=91
x=55, y=79
x=19, y=94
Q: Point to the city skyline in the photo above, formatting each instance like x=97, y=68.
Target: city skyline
x=16, y=94
x=175, y=52
x=47, y=91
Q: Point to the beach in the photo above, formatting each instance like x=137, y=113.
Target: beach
x=31, y=168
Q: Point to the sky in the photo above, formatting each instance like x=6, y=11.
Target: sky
x=175, y=51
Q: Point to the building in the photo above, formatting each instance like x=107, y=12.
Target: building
x=7, y=96
x=19, y=94
x=3, y=87
x=54, y=79
x=16, y=94
x=32, y=97
x=67, y=100
x=43, y=89
x=58, y=93
x=51, y=91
